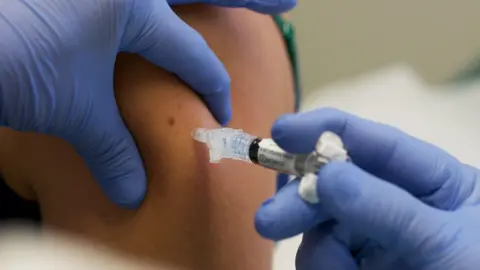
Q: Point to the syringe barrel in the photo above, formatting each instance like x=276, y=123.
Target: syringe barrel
x=266, y=153
x=238, y=146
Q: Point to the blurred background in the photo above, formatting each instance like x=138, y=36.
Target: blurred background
x=338, y=39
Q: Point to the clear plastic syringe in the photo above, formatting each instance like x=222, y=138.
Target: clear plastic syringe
x=235, y=144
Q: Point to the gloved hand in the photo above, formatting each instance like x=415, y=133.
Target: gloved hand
x=56, y=75
x=405, y=204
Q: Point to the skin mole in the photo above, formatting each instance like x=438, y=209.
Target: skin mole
x=171, y=121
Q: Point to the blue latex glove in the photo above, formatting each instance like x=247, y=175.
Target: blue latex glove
x=408, y=204
x=56, y=75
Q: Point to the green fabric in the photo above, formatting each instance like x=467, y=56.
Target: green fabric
x=288, y=31
x=470, y=73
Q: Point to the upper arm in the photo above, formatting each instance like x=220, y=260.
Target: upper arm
x=195, y=214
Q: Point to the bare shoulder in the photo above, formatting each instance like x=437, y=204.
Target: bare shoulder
x=195, y=214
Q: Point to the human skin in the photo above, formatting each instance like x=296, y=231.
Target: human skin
x=195, y=214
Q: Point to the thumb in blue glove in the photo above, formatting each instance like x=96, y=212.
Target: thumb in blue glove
x=407, y=231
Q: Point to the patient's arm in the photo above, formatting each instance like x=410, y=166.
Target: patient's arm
x=195, y=214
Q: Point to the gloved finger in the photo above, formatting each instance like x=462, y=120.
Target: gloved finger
x=262, y=6
x=286, y=214
x=355, y=242
x=321, y=250
x=372, y=256
x=156, y=33
x=111, y=155
x=381, y=259
x=384, y=151
x=377, y=209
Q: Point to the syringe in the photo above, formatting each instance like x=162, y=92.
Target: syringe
x=235, y=144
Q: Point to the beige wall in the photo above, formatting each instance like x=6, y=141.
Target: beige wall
x=343, y=38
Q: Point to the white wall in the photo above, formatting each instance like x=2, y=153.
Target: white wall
x=342, y=38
